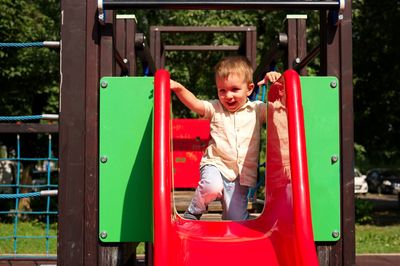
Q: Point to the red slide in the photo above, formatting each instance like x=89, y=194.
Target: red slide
x=281, y=235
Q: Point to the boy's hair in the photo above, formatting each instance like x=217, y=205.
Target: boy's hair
x=234, y=65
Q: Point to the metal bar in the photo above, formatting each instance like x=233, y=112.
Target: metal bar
x=201, y=47
x=144, y=55
x=308, y=58
x=28, y=128
x=196, y=29
x=197, y=4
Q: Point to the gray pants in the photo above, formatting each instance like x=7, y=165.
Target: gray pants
x=213, y=185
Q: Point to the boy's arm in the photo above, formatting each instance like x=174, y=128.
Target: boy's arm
x=187, y=98
x=271, y=76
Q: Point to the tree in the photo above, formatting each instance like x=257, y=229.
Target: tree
x=29, y=77
x=376, y=38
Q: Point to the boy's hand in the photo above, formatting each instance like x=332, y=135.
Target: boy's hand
x=271, y=76
x=175, y=85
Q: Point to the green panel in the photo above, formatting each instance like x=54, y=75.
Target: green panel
x=321, y=114
x=125, y=163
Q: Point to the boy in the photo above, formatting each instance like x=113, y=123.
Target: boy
x=229, y=164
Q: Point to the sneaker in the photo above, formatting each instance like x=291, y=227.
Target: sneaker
x=190, y=216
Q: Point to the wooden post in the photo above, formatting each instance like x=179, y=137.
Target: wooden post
x=74, y=231
x=87, y=52
x=336, y=60
x=297, y=41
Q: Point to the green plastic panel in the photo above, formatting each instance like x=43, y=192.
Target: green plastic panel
x=321, y=114
x=125, y=163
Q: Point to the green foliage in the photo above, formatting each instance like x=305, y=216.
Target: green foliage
x=363, y=211
x=361, y=160
x=29, y=77
x=376, y=37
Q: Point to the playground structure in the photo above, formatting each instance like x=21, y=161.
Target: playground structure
x=26, y=175
x=86, y=61
x=92, y=49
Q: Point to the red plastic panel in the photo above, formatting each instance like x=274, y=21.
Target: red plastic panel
x=190, y=138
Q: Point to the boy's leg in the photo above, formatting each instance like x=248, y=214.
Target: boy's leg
x=235, y=201
x=210, y=188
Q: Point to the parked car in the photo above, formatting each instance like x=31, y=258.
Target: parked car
x=360, y=184
x=384, y=181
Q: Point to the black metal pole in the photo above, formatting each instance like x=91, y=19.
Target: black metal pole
x=203, y=4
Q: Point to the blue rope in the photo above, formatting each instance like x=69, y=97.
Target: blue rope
x=21, y=45
x=19, y=196
x=29, y=195
x=27, y=117
x=48, y=44
x=18, y=118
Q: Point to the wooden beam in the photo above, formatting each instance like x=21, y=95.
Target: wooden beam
x=29, y=128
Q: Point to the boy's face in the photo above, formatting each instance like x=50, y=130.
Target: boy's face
x=233, y=91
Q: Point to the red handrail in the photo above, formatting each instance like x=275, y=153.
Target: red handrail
x=162, y=167
x=298, y=161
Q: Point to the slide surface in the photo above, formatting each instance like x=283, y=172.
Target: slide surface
x=281, y=235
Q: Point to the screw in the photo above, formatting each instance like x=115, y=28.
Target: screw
x=297, y=60
x=103, y=234
x=103, y=159
x=104, y=84
x=334, y=159
x=333, y=84
x=335, y=234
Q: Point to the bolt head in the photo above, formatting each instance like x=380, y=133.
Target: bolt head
x=103, y=234
x=103, y=159
x=333, y=84
x=104, y=84
x=334, y=159
x=335, y=234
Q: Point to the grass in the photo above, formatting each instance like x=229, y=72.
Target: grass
x=377, y=239
x=378, y=228
x=27, y=245
x=379, y=234
x=369, y=239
